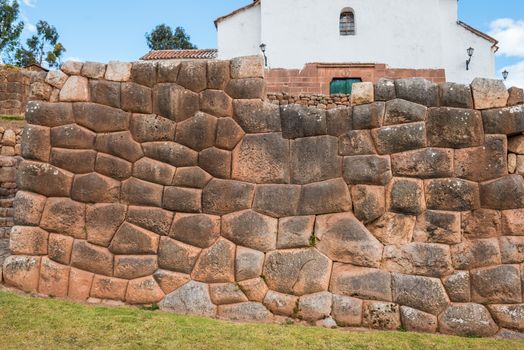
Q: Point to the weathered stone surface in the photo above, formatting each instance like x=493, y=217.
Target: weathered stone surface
x=154, y=171
x=226, y=293
x=368, y=170
x=131, y=239
x=338, y=121
x=150, y=127
x=193, y=177
x=95, y=188
x=138, y=192
x=516, y=144
x=368, y=116
x=418, y=90
x=427, y=259
x=192, y=298
x=516, y=96
x=229, y=134
x=93, y=70
x=44, y=179
x=250, y=229
x=369, y=202
x=40, y=91
x=73, y=160
x=49, y=114
x=36, y=143
x=199, y=230
x=72, y=136
x=393, y=228
x=79, y=284
x=248, y=264
x=197, y=132
x=22, y=272
x=193, y=75
x=510, y=316
x=120, y=144
x=385, y=90
x=356, y=143
x=102, y=221
x=216, y=162
x=217, y=103
x=504, y=193
x=28, y=208
x=118, y=71
x=226, y=196
x=508, y=121
x=496, y=285
x=176, y=256
x=513, y=222
x=481, y=223
x=325, y=197
x=249, y=88
x=400, y=138
x=247, y=67
x=170, y=281
x=25, y=240
x=454, y=128
x=452, y=195
x=216, y=264
x=218, y=74
x=64, y=216
x=422, y=293
x=54, y=278
x=281, y=304
x=262, y=158
x=343, y=238
x=300, y=121
x=475, y=253
x=512, y=250
x=406, y=196
x=255, y=289
x=380, y=315
x=143, y=291
x=438, y=227
x=314, y=159
x=60, y=248
x=105, y=92
x=136, y=98
x=362, y=93
x=257, y=116
x=174, y=102
x=424, y=164
x=347, y=311
x=297, y=271
x=56, y=78
x=483, y=163
x=185, y=200
x=401, y=111
x=75, y=89
x=245, y=312
x=414, y=320
x=295, y=232
x=92, y=258
x=489, y=93
x=314, y=307
x=135, y=266
x=458, y=286
x=171, y=153
x=455, y=95
x=108, y=288
x=467, y=320
x=360, y=282
x=153, y=219
x=167, y=71
x=144, y=73
x=277, y=200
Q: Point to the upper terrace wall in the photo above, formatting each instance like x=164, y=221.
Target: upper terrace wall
x=14, y=90
x=178, y=184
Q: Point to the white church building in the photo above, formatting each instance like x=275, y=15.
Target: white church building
x=404, y=34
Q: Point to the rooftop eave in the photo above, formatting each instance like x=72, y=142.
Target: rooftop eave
x=231, y=14
x=483, y=35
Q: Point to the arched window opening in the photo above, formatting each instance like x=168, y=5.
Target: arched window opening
x=347, y=22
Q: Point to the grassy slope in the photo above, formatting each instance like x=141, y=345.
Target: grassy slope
x=12, y=121
x=31, y=323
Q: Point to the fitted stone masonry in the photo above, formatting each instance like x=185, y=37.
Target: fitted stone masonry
x=177, y=184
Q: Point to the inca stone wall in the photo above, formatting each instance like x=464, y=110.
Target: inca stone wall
x=178, y=185
x=14, y=90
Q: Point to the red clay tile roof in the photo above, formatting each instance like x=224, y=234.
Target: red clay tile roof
x=247, y=7
x=478, y=32
x=204, y=54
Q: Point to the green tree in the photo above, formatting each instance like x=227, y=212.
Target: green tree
x=41, y=47
x=10, y=27
x=163, y=38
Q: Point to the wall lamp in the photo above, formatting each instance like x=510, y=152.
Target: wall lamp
x=505, y=74
x=470, y=54
x=263, y=49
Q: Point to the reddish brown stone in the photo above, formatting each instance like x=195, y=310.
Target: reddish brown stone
x=60, y=248
x=454, y=128
x=277, y=200
x=120, y=144
x=295, y=232
x=424, y=164
x=226, y=293
x=136, y=98
x=218, y=74
x=281, y=304
x=185, y=200
x=418, y=90
x=496, y=285
x=489, y=93
x=338, y=121
x=49, y=114
x=144, y=73
x=177, y=256
x=248, y=263
x=458, y=286
x=483, y=163
x=153, y=219
x=504, y=193
x=255, y=289
x=171, y=153
x=452, y=195
x=380, y=315
x=54, y=278
x=193, y=75
x=360, y=282
x=325, y=197
x=79, y=284
x=315, y=307
x=455, y=95
x=512, y=250
x=131, y=239
x=217, y=103
x=426, y=259
x=368, y=116
x=482, y=223
x=356, y=143
x=114, y=167
x=475, y=253
x=516, y=96
x=406, y=196
x=28, y=208
x=154, y=171
x=44, y=179
x=513, y=222
x=422, y=293
x=229, y=134
x=138, y=192
x=401, y=138
x=510, y=316
x=174, y=102
x=249, y=88
x=92, y=258
x=151, y=127
x=226, y=196
x=367, y=170
x=75, y=161
x=393, y=228
x=135, y=266
x=216, y=162
x=22, y=272
x=102, y=221
x=167, y=71
x=93, y=70
x=257, y=116
x=414, y=320
x=400, y=111
x=314, y=159
x=26, y=240
x=108, y=288
x=508, y=121
x=251, y=229
x=216, y=264
x=369, y=202
x=95, y=188
x=197, y=132
x=72, y=136
x=64, y=216
x=170, y=281
x=438, y=227
x=100, y=118
x=105, y=92
x=467, y=320
x=36, y=143
x=199, y=230
x=144, y=291
x=193, y=177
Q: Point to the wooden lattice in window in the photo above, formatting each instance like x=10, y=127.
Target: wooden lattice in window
x=347, y=23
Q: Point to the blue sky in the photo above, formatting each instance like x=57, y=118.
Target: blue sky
x=103, y=30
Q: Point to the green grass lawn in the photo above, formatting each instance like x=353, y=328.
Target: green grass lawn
x=33, y=323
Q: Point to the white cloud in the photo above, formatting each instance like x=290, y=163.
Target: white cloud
x=74, y=59
x=28, y=25
x=30, y=3
x=510, y=33
x=516, y=74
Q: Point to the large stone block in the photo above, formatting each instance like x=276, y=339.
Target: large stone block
x=199, y=230
x=295, y=232
x=92, y=258
x=467, y=320
x=301, y=121
x=216, y=264
x=257, y=116
x=454, y=128
x=368, y=116
x=393, y=228
x=513, y=222
x=400, y=138
x=64, y=216
x=36, y=143
x=347, y=311
x=516, y=96
x=508, y=121
x=130, y=240
x=216, y=162
x=367, y=170
x=108, y=288
x=255, y=289
x=226, y=196
x=251, y=229
x=177, y=256
x=60, y=248
x=343, y=238
x=192, y=298
x=281, y=304
x=170, y=281
x=80, y=283
x=277, y=200
x=95, y=188
x=362, y=93
x=54, y=278
x=414, y=320
x=356, y=143
x=193, y=177
x=483, y=163
x=197, y=132
x=489, y=93
x=504, y=193
x=118, y=71
x=56, y=78
x=25, y=240
x=144, y=73
x=138, y=192
x=338, y=121
x=406, y=196
x=245, y=312
x=426, y=259
x=74, y=160
x=218, y=74
x=44, y=179
x=28, y=208
x=360, y=282
x=184, y=200
x=481, y=223
x=167, y=71
x=113, y=167
x=247, y=67
x=22, y=272
x=217, y=103
x=249, y=88
x=226, y=293
x=93, y=70
x=153, y=219
x=297, y=271
x=452, y=195
x=75, y=89
x=151, y=127
x=380, y=315
x=496, y=285
x=401, y=111
x=262, y=158
x=458, y=286
x=314, y=307
x=105, y=92
x=476, y=253
x=418, y=90
x=102, y=221
x=174, y=102
x=135, y=266
x=193, y=75
x=438, y=227
x=385, y=90
x=120, y=144
x=248, y=263
x=229, y=133
x=171, y=153
x=136, y=98
x=455, y=95
x=143, y=291
x=512, y=250
x=422, y=293
x=100, y=118
x=369, y=202
x=49, y=114
x=510, y=316
x=325, y=197
x=314, y=159
x=72, y=136
x=154, y=171
x=426, y=163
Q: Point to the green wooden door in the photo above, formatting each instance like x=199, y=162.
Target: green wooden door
x=343, y=85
